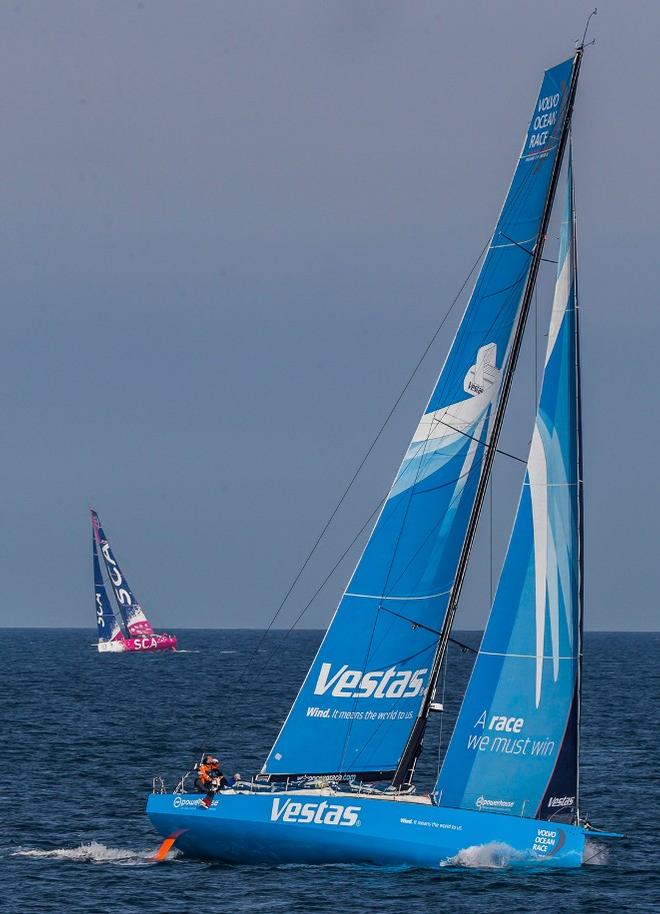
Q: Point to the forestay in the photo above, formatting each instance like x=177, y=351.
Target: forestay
x=514, y=748
x=364, y=689
x=134, y=618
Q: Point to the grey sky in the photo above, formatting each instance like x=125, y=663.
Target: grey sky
x=228, y=229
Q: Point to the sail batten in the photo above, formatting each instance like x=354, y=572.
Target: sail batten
x=514, y=749
x=370, y=679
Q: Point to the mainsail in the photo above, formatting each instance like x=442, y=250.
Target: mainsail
x=106, y=621
x=366, y=687
x=515, y=744
x=134, y=618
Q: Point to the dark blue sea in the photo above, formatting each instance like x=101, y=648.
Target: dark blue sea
x=83, y=734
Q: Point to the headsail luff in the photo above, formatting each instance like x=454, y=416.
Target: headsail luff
x=515, y=744
x=108, y=627
x=132, y=614
x=362, y=696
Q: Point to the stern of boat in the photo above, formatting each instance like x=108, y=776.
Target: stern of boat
x=110, y=647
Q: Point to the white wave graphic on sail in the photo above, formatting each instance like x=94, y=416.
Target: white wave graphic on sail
x=559, y=303
x=551, y=499
x=442, y=434
x=560, y=533
x=537, y=473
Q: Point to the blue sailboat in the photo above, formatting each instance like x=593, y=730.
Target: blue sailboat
x=338, y=783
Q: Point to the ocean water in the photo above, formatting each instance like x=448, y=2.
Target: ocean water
x=83, y=734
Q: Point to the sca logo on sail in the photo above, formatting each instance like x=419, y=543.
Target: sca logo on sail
x=322, y=813
x=115, y=575
x=392, y=683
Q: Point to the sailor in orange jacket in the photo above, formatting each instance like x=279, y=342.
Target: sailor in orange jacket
x=209, y=775
x=206, y=772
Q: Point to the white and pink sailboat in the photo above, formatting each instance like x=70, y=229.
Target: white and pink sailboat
x=128, y=630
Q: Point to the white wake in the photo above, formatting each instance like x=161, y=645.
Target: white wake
x=595, y=854
x=94, y=852
x=494, y=855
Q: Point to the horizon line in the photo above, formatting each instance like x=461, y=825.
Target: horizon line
x=82, y=628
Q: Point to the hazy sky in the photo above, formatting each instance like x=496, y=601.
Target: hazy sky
x=228, y=229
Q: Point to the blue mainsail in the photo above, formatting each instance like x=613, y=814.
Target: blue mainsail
x=131, y=612
x=515, y=744
x=362, y=695
x=106, y=621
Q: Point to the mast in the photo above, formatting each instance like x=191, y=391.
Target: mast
x=412, y=750
x=580, y=480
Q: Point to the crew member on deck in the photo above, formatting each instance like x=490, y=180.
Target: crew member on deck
x=218, y=780
x=209, y=775
x=207, y=772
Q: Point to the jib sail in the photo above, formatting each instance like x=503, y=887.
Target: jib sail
x=515, y=744
x=106, y=621
x=363, y=693
x=131, y=612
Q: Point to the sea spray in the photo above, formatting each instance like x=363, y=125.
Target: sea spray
x=494, y=855
x=595, y=853
x=94, y=852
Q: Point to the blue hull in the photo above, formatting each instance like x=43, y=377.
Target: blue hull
x=317, y=828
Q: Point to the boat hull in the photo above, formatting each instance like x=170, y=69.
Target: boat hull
x=153, y=642
x=141, y=645
x=320, y=828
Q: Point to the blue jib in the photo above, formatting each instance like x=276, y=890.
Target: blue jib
x=356, y=708
x=514, y=747
x=128, y=605
x=106, y=621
